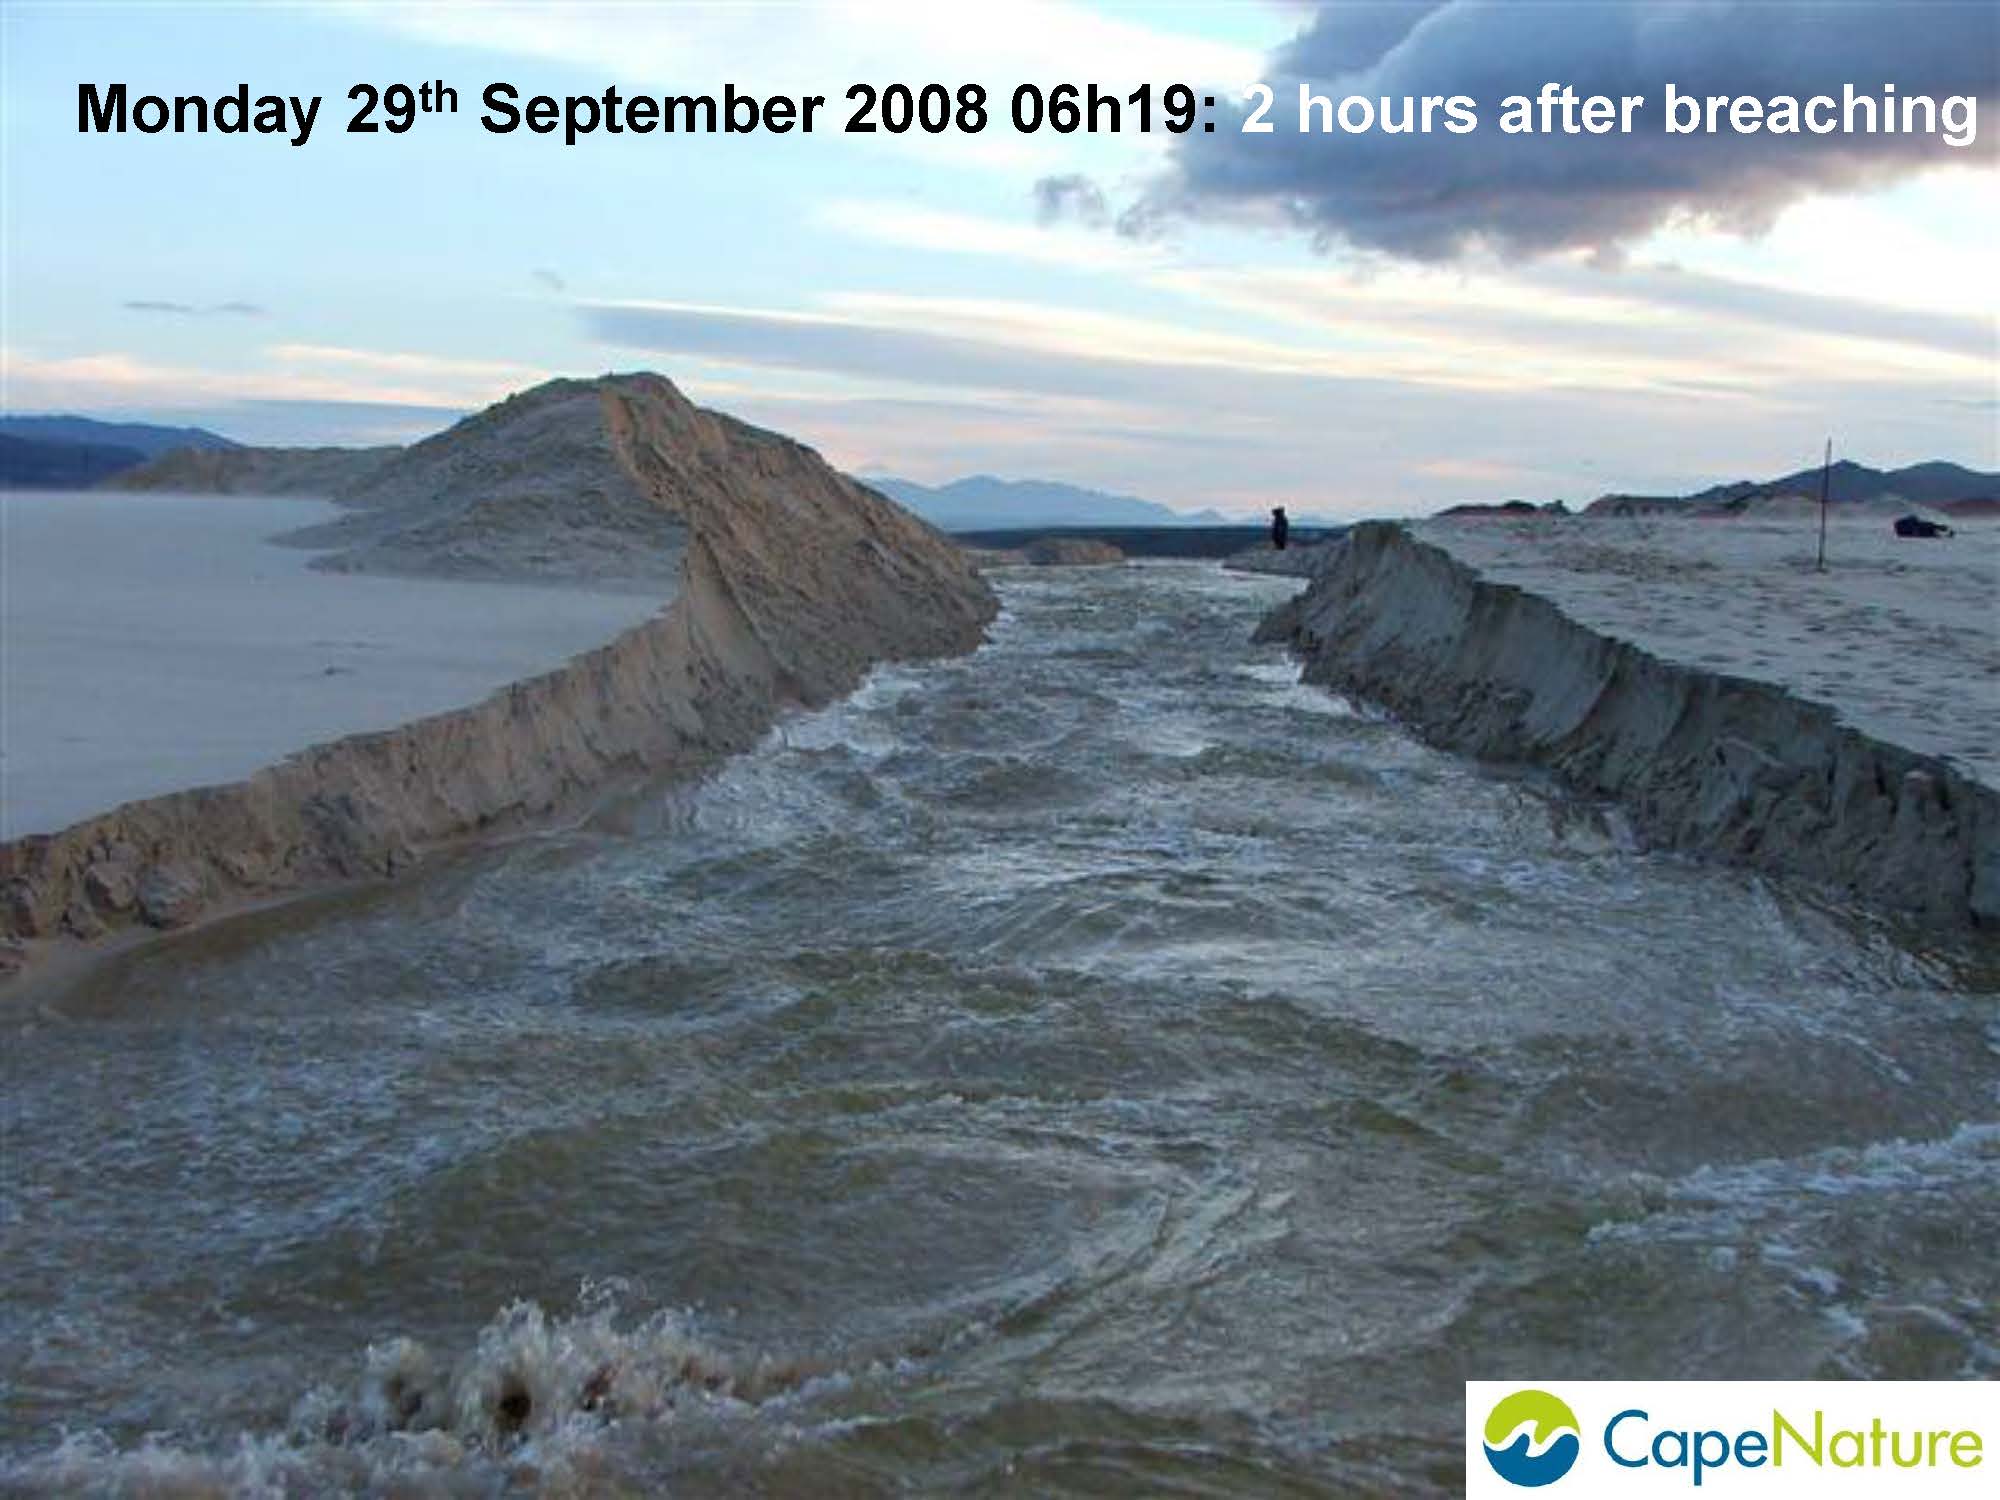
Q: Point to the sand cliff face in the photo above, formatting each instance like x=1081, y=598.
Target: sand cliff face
x=1716, y=764
x=794, y=581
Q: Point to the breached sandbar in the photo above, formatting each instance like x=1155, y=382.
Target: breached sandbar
x=159, y=642
x=793, y=582
x=1700, y=678
x=1900, y=637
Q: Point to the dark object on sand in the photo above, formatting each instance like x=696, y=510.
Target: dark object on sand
x=1281, y=527
x=1918, y=526
x=1503, y=508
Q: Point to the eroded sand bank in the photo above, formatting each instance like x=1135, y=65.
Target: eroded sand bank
x=794, y=581
x=1739, y=704
x=1900, y=637
x=158, y=642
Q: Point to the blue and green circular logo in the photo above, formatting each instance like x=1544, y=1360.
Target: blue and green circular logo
x=1532, y=1438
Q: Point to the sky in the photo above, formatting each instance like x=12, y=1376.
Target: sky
x=1348, y=324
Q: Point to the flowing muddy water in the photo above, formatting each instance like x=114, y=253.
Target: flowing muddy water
x=1096, y=1064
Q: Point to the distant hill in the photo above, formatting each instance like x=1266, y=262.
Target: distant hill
x=984, y=503
x=1936, y=483
x=147, y=439
x=26, y=464
x=66, y=453
x=1508, y=509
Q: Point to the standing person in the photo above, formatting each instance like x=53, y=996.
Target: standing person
x=1281, y=528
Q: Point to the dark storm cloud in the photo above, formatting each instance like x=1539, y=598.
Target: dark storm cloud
x=1349, y=37
x=1432, y=196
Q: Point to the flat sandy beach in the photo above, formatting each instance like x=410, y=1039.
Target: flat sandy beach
x=1901, y=637
x=157, y=642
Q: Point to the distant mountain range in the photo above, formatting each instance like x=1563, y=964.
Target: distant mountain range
x=983, y=503
x=1938, y=484
x=26, y=464
x=60, y=452
x=56, y=452
x=66, y=452
x=147, y=438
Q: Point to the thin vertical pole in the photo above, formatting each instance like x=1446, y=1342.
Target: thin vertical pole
x=1825, y=475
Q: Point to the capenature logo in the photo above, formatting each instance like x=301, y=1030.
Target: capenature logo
x=1532, y=1438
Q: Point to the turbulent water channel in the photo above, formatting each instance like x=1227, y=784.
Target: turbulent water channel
x=1096, y=1064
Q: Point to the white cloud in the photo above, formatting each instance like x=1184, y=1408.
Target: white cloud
x=1155, y=408
x=1562, y=322
x=1578, y=334
x=1060, y=328
x=1925, y=244
x=469, y=374
x=1571, y=325
x=286, y=372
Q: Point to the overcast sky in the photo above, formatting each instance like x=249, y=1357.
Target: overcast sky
x=1345, y=324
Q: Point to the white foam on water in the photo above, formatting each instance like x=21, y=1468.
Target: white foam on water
x=1276, y=673
x=1181, y=739
x=535, y=1397
x=1969, y=1156
x=1788, y=1214
x=1290, y=690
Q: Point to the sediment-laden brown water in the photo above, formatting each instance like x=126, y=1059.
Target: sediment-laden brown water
x=1098, y=1064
